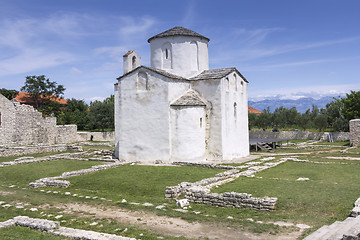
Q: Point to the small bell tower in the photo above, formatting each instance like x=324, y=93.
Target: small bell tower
x=131, y=61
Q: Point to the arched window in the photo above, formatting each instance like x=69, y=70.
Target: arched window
x=167, y=56
x=133, y=62
x=142, y=82
x=235, y=82
x=194, y=61
x=235, y=113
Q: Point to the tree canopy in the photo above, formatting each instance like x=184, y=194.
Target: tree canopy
x=335, y=116
x=9, y=94
x=42, y=89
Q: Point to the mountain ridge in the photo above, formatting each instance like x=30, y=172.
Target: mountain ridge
x=301, y=104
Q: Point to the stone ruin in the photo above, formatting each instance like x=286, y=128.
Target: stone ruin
x=354, y=132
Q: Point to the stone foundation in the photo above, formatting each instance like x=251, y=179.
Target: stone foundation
x=55, y=182
x=6, y=151
x=232, y=199
x=54, y=228
x=355, y=132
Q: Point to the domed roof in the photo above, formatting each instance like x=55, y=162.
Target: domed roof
x=178, y=31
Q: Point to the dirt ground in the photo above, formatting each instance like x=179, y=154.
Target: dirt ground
x=173, y=226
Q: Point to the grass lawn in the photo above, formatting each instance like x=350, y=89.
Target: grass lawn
x=12, y=158
x=328, y=196
x=138, y=183
x=23, y=174
x=19, y=233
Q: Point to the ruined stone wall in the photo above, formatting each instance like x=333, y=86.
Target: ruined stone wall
x=6, y=151
x=24, y=125
x=66, y=134
x=292, y=135
x=355, y=132
x=230, y=199
x=97, y=136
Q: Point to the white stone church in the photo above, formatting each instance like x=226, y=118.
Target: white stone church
x=178, y=109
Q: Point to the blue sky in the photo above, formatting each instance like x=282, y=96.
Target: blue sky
x=286, y=49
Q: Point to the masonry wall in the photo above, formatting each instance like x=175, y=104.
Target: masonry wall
x=355, y=132
x=337, y=136
x=24, y=125
x=97, y=136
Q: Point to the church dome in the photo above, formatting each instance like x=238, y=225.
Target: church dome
x=178, y=31
x=180, y=51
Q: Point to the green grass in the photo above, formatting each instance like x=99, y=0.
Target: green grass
x=23, y=233
x=328, y=196
x=99, y=147
x=137, y=182
x=23, y=174
x=342, y=144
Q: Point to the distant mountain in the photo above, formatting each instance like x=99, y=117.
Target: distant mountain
x=301, y=104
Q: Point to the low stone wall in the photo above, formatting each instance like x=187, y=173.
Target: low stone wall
x=207, y=165
x=292, y=135
x=6, y=151
x=355, y=132
x=55, y=182
x=54, y=228
x=97, y=136
x=232, y=199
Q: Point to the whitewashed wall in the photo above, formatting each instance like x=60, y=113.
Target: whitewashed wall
x=189, y=55
x=235, y=136
x=142, y=117
x=211, y=91
x=187, y=133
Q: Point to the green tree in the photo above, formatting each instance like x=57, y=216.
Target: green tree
x=101, y=114
x=320, y=122
x=304, y=120
x=252, y=120
x=76, y=112
x=9, y=94
x=42, y=89
x=279, y=117
x=351, y=103
x=264, y=120
x=336, y=118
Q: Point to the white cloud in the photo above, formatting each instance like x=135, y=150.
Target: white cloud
x=113, y=51
x=131, y=25
x=75, y=71
x=254, y=36
x=313, y=91
x=268, y=67
x=33, y=59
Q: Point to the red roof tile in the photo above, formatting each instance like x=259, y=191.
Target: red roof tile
x=24, y=98
x=254, y=110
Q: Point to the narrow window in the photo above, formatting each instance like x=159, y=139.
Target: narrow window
x=235, y=81
x=0, y=119
x=227, y=84
x=242, y=86
x=143, y=82
x=193, y=58
x=200, y=122
x=133, y=62
x=166, y=56
x=235, y=105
